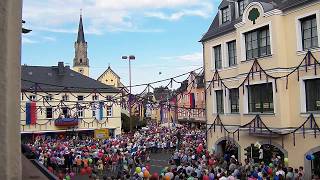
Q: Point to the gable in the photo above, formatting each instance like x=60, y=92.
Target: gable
x=108, y=72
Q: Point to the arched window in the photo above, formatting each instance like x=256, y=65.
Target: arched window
x=80, y=60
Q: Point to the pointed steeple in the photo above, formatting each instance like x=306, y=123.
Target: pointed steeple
x=81, y=61
x=80, y=31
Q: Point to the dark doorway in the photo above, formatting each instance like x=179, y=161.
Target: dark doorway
x=315, y=164
x=228, y=148
x=267, y=153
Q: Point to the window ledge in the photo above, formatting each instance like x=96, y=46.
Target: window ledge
x=307, y=114
x=258, y=58
x=267, y=114
x=232, y=114
x=225, y=68
x=215, y=114
x=303, y=52
x=231, y=67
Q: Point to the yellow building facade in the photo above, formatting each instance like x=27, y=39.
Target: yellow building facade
x=193, y=86
x=249, y=51
x=59, y=92
x=109, y=77
x=87, y=118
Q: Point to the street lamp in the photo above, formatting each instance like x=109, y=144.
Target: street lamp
x=129, y=58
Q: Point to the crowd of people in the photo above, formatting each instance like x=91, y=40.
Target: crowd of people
x=128, y=157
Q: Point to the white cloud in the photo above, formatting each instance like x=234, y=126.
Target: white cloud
x=108, y=15
x=205, y=12
x=27, y=40
x=194, y=57
x=35, y=38
x=49, y=39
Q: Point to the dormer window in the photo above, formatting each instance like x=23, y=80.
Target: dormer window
x=225, y=14
x=242, y=5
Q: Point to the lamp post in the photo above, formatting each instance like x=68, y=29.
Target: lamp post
x=129, y=58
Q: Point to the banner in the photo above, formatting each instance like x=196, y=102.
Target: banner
x=31, y=113
x=161, y=114
x=192, y=101
x=101, y=133
x=99, y=111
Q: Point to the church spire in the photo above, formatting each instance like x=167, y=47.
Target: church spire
x=81, y=61
x=80, y=31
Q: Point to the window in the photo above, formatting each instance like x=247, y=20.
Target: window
x=95, y=98
x=258, y=43
x=48, y=97
x=32, y=97
x=65, y=98
x=93, y=113
x=234, y=100
x=109, y=111
x=108, y=97
x=80, y=112
x=260, y=98
x=217, y=57
x=203, y=96
x=81, y=71
x=49, y=112
x=225, y=13
x=309, y=32
x=65, y=111
x=22, y=96
x=80, y=98
x=232, y=53
x=219, y=101
x=242, y=5
x=312, y=94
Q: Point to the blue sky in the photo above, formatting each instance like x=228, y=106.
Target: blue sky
x=163, y=35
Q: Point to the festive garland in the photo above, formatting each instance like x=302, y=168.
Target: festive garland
x=137, y=99
x=256, y=68
x=256, y=125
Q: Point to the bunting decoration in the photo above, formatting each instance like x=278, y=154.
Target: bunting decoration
x=257, y=127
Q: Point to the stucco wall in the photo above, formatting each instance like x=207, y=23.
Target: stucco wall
x=289, y=103
x=112, y=122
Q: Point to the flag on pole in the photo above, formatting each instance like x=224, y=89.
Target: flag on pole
x=31, y=113
x=99, y=111
x=192, y=101
x=161, y=114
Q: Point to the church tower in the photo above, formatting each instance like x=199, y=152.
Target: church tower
x=81, y=61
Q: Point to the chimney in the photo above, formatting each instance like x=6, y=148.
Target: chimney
x=60, y=68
